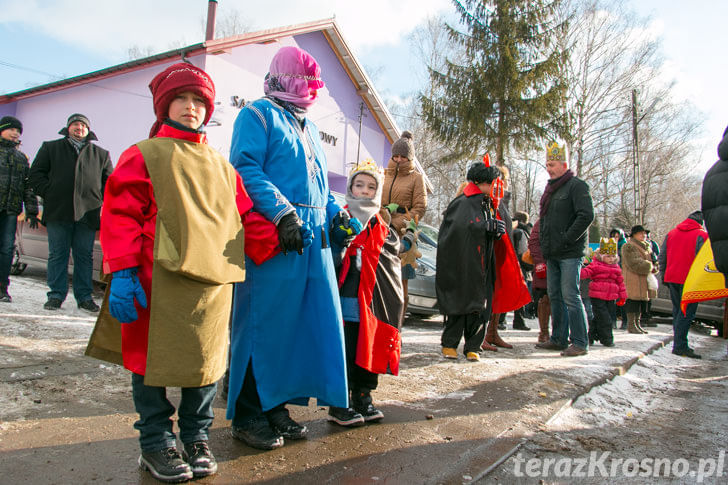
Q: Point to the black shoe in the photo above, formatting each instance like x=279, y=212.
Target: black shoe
x=4, y=295
x=688, y=353
x=280, y=421
x=610, y=344
x=200, y=458
x=361, y=401
x=89, y=305
x=649, y=324
x=258, y=434
x=502, y=326
x=166, y=465
x=623, y=326
x=549, y=345
x=520, y=326
x=345, y=417
x=53, y=304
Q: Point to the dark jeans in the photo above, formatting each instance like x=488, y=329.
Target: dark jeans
x=680, y=322
x=359, y=378
x=64, y=238
x=600, y=327
x=471, y=326
x=8, y=224
x=154, y=424
x=568, y=316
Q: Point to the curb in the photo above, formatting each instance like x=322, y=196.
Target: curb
x=616, y=371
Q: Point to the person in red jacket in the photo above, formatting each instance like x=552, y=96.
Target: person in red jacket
x=678, y=251
x=172, y=235
x=605, y=288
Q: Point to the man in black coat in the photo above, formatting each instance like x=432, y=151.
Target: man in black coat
x=14, y=193
x=466, y=263
x=70, y=174
x=566, y=212
x=715, y=206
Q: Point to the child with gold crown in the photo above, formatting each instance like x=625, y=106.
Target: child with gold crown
x=606, y=288
x=366, y=256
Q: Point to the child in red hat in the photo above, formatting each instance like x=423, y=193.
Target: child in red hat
x=172, y=238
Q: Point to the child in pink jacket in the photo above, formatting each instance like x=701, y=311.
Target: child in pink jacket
x=606, y=288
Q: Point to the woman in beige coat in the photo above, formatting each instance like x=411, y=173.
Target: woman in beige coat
x=636, y=266
x=404, y=194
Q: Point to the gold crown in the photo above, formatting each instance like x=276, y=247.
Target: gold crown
x=367, y=165
x=556, y=152
x=608, y=246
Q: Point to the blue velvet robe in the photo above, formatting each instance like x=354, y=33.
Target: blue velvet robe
x=286, y=315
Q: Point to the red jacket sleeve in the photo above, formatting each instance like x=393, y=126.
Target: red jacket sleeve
x=128, y=205
x=243, y=201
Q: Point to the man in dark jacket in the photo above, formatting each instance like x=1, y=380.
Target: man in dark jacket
x=566, y=211
x=715, y=206
x=70, y=174
x=14, y=192
x=466, y=258
x=678, y=251
x=521, y=235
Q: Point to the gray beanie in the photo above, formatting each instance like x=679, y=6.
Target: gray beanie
x=404, y=146
x=78, y=117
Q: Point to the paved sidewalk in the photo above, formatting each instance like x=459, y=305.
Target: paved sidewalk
x=65, y=418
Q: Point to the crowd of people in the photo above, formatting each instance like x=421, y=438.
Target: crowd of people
x=256, y=256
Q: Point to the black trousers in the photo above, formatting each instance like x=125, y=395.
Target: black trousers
x=636, y=306
x=359, y=378
x=248, y=407
x=600, y=328
x=471, y=326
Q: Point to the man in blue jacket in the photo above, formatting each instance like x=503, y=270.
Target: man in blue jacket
x=566, y=211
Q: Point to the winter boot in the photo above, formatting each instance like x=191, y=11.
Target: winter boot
x=638, y=325
x=361, y=401
x=4, y=295
x=544, y=313
x=631, y=323
x=491, y=335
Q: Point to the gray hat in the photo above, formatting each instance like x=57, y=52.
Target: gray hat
x=404, y=146
x=78, y=117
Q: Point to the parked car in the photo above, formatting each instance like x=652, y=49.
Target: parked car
x=31, y=246
x=709, y=312
x=422, y=295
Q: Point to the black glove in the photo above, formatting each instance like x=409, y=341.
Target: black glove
x=32, y=221
x=495, y=227
x=289, y=233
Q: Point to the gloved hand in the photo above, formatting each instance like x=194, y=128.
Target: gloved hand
x=408, y=240
x=411, y=226
x=496, y=227
x=344, y=229
x=291, y=232
x=392, y=208
x=621, y=302
x=32, y=221
x=125, y=287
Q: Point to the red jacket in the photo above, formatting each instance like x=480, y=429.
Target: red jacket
x=680, y=248
x=128, y=223
x=607, y=282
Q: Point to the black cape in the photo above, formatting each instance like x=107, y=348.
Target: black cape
x=465, y=258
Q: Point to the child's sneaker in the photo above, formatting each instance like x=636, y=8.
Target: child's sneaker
x=200, y=458
x=449, y=353
x=345, y=417
x=166, y=465
x=472, y=356
x=361, y=401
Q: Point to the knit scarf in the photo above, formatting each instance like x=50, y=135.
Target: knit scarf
x=551, y=187
x=362, y=209
x=77, y=144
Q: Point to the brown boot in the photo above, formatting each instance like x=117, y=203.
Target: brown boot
x=544, y=312
x=638, y=324
x=491, y=335
x=631, y=323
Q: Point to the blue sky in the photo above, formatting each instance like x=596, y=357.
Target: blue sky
x=44, y=41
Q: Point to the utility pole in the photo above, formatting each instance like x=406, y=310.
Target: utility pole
x=636, y=159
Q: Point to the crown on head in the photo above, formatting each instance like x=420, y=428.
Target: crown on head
x=365, y=166
x=608, y=246
x=556, y=152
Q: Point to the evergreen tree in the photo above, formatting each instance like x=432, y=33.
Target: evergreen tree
x=503, y=90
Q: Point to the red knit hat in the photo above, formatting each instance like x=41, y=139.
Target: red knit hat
x=176, y=79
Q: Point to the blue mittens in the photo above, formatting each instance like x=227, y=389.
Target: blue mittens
x=125, y=287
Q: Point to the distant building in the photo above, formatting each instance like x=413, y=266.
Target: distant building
x=119, y=104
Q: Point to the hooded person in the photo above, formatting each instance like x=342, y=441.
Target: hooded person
x=467, y=266
x=287, y=342
x=370, y=288
x=172, y=237
x=714, y=203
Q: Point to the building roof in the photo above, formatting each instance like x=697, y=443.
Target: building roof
x=328, y=27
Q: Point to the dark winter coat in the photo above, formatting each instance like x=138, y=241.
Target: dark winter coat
x=715, y=206
x=14, y=188
x=466, y=274
x=563, y=232
x=71, y=184
x=521, y=237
